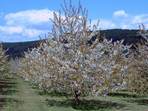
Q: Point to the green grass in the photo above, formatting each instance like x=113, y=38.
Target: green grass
x=99, y=104
x=28, y=98
x=25, y=99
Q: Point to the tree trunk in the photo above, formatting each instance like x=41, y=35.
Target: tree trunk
x=77, y=94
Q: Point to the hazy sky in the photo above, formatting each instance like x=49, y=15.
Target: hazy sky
x=25, y=20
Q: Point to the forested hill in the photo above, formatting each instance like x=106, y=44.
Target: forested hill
x=129, y=36
x=17, y=49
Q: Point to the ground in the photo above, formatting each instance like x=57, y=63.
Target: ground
x=19, y=95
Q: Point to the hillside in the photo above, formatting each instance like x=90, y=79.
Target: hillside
x=129, y=36
x=17, y=49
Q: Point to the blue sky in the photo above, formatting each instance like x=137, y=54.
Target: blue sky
x=26, y=20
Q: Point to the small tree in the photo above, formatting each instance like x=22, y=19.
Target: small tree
x=76, y=61
x=138, y=67
x=3, y=62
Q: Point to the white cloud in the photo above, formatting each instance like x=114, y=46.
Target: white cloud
x=104, y=24
x=28, y=24
x=107, y=24
x=33, y=32
x=11, y=29
x=120, y=13
x=135, y=21
x=17, y=30
x=146, y=26
x=29, y=17
x=128, y=21
x=126, y=26
x=143, y=18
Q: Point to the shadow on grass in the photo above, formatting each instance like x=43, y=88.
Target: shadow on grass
x=139, y=101
x=8, y=91
x=142, y=101
x=4, y=101
x=85, y=104
x=7, y=84
x=7, y=87
x=54, y=94
x=124, y=95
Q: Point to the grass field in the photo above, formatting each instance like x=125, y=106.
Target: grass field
x=18, y=95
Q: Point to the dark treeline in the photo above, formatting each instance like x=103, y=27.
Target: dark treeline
x=17, y=49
